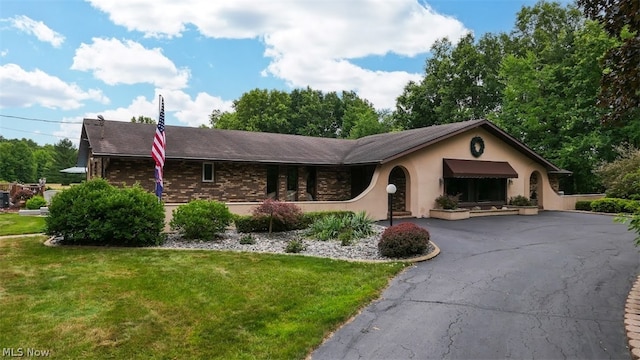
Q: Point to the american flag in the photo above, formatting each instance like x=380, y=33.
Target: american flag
x=157, y=151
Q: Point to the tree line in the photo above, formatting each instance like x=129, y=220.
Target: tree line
x=24, y=161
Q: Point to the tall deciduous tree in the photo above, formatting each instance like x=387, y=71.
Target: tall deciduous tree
x=302, y=112
x=460, y=83
x=549, y=100
x=620, y=85
x=143, y=120
x=16, y=161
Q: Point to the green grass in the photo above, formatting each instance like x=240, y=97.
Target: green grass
x=14, y=224
x=172, y=304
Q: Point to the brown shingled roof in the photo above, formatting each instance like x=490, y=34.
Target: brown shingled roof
x=126, y=139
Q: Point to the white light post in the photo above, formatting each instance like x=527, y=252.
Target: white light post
x=391, y=189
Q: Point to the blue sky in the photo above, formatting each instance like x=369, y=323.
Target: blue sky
x=64, y=60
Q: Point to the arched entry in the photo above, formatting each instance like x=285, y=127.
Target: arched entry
x=399, y=177
x=535, y=188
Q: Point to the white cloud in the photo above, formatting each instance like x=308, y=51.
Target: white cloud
x=116, y=62
x=178, y=104
x=38, y=29
x=309, y=42
x=21, y=88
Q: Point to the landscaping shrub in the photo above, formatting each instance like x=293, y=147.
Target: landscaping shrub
x=520, y=200
x=280, y=215
x=325, y=228
x=201, y=219
x=330, y=227
x=96, y=213
x=583, y=205
x=627, y=187
x=403, y=240
x=613, y=205
x=620, y=177
x=36, y=203
x=310, y=217
x=247, y=239
x=295, y=246
x=248, y=224
x=21, y=196
x=447, y=202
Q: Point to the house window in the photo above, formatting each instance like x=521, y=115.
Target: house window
x=272, y=182
x=207, y=172
x=292, y=183
x=477, y=190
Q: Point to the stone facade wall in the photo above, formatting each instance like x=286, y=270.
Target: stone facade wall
x=398, y=178
x=183, y=180
x=333, y=183
x=233, y=182
x=554, y=181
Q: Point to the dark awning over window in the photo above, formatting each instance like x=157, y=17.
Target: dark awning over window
x=453, y=168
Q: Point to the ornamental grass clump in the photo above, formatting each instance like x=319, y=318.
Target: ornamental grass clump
x=403, y=240
x=345, y=228
x=201, y=219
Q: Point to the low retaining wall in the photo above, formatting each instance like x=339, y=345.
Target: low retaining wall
x=569, y=201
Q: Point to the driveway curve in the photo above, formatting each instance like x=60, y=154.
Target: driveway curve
x=551, y=286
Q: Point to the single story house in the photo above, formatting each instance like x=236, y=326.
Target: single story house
x=474, y=159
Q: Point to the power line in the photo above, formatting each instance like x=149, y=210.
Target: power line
x=41, y=120
x=32, y=132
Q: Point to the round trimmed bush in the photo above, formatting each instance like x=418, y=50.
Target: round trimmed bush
x=403, y=240
x=201, y=219
x=96, y=213
x=36, y=203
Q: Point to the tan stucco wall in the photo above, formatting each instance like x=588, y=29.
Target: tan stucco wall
x=424, y=171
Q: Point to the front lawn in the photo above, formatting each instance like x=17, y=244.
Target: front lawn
x=173, y=304
x=14, y=224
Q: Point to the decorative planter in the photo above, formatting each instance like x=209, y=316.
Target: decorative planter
x=457, y=214
x=525, y=210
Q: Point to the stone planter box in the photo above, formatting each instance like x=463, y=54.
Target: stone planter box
x=457, y=214
x=525, y=210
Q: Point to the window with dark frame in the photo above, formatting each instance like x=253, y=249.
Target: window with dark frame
x=207, y=172
x=272, y=181
x=292, y=183
x=477, y=190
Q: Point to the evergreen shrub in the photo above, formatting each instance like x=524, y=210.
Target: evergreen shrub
x=36, y=203
x=201, y=219
x=96, y=213
x=583, y=205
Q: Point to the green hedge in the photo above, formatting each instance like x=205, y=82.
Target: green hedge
x=614, y=205
x=583, y=205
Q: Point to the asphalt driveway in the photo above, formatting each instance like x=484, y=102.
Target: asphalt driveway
x=551, y=286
